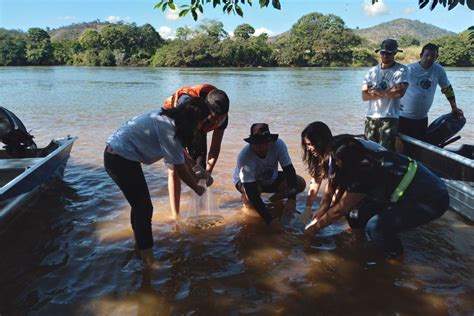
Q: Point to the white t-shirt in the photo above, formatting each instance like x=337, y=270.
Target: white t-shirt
x=385, y=79
x=148, y=138
x=419, y=96
x=251, y=168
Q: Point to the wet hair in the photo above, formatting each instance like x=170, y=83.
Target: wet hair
x=430, y=46
x=186, y=118
x=319, y=135
x=217, y=101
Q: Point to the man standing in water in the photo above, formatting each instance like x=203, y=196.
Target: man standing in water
x=257, y=172
x=218, y=104
x=424, y=76
x=383, y=86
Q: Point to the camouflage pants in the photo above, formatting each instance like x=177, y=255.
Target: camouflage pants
x=382, y=131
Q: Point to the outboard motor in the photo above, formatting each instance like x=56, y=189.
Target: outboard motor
x=14, y=134
x=442, y=129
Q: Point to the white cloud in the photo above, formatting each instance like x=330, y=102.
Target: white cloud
x=378, y=8
x=67, y=17
x=231, y=34
x=262, y=30
x=172, y=15
x=166, y=32
x=409, y=10
x=114, y=19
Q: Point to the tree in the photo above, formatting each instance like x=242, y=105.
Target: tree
x=319, y=40
x=63, y=51
x=363, y=57
x=454, y=50
x=150, y=38
x=244, y=31
x=408, y=40
x=112, y=37
x=38, y=47
x=12, y=50
x=106, y=58
x=184, y=33
x=212, y=28
x=235, y=6
x=90, y=39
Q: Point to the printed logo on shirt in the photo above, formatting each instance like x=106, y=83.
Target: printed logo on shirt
x=266, y=176
x=425, y=83
x=383, y=84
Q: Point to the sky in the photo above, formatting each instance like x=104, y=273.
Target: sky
x=24, y=14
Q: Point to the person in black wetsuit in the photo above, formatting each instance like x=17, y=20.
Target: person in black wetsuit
x=406, y=193
x=257, y=172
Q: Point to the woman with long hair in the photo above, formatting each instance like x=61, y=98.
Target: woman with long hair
x=314, y=140
x=408, y=195
x=150, y=137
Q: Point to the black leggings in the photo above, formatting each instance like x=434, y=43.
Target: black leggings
x=129, y=177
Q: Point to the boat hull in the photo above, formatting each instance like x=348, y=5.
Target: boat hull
x=33, y=178
x=456, y=171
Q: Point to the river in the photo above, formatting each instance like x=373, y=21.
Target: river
x=71, y=249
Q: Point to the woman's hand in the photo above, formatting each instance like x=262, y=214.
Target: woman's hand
x=200, y=190
x=209, y=180
x=199, y=172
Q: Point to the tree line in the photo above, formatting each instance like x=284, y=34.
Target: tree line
x=315, y=40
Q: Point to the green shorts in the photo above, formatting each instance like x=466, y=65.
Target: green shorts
x=382, y=130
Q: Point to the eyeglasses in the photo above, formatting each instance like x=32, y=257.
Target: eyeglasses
x=385, y=53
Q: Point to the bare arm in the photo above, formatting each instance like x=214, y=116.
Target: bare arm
x=395, y=92
x=449, y=93
x=343, y=206
x=325, y=204
x=313, y=190
x=189, y=178
x=215, y=149
x=369, y=93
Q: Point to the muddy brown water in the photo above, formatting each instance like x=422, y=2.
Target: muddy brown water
x=70, y=250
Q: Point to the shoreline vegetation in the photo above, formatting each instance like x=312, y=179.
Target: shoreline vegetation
x=315, y=40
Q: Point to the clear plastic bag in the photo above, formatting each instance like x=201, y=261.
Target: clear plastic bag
x=202, y=211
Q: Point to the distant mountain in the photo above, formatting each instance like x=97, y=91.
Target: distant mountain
x=423, y=32
x=73, y=31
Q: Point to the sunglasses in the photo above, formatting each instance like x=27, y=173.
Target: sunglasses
x=385, y=53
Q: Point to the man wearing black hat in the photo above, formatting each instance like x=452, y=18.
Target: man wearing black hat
x=257, y=172
x=383, y=86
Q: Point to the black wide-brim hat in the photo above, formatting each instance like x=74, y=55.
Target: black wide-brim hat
x=389, y=45
x=260, y=134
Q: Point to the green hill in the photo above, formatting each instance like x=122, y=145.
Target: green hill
x=423, y=32
x=73, y=31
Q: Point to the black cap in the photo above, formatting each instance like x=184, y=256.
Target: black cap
x=260, y=134
x=389, y=45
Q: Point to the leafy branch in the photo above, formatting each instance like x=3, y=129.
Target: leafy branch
x=228, y=6
x=450, y=3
